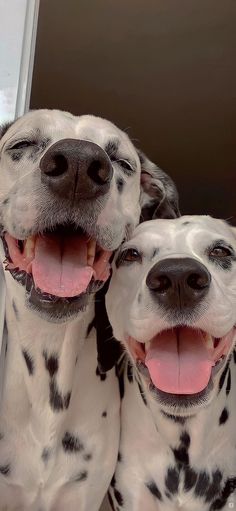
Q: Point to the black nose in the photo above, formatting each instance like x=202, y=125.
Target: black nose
x=179, y=283
x=76, y=169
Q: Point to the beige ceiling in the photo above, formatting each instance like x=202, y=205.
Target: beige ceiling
x=165, y=69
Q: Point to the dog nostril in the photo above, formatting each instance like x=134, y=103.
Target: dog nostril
x=197, y=281
x=160, y=284
x=99, y=172
x=57, y=166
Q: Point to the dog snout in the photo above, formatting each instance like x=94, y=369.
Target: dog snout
x=178, y=283
x=76, y=169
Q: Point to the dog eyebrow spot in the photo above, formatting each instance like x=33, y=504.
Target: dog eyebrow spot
x=104, y=414
x=224, y=416
x=29, y=361
x=71, y=443
x=112, y=146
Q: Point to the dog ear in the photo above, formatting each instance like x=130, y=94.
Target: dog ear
x=4, y=127
x=109, y=349
x=159, y=196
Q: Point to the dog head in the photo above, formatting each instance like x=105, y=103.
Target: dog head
x=172, y=303
x=69, y=194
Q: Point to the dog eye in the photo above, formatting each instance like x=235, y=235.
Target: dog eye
x=219, y=251
x=130, y=255
x=22, y=144
x=125, y=165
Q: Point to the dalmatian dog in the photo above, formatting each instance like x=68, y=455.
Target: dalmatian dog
x=172, y=304
x=71, y=189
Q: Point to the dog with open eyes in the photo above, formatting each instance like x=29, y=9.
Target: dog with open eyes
x=172, y=304
x=71, y=189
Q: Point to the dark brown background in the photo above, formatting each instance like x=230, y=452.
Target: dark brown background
x=165, y=69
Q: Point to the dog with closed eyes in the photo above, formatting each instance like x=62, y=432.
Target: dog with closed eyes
x=71, y=189
x=172, y=304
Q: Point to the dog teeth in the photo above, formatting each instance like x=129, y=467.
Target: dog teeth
x=91, y=250
x=29, y=246
x=209, y=341
x=147, y=346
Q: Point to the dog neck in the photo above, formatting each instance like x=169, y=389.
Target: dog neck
x=212, y=417
x=41, y=361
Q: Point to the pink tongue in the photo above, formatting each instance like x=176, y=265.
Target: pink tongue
x=179, y=366
x=60, y=266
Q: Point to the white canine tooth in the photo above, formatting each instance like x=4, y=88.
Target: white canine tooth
x=29, y=246
x=147, y=346
x=91, y=249
x=209, y=341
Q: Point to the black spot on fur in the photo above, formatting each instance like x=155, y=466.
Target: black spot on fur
x=202, y=484
x=190, y=478
x=5, y=469
x=118, y=497
x=229, y=488
x=234, y=355
x=155, y=252
x=82, y=476
x=71, y=443
x=181, y=453
x=87, y=457
x=120, y=376
x=223, y=376
x=120, y=184
x=29, y=362
x=15, y=310
x=175, y=418
x=6, y=202
x=1, y=436
x=186, y=223
x=214, y=486
x=228, y=385
x=51, y=363
x=154, y=490
x=172, y=480
x=57, y=400
x=130, y=375
x=111, y=501
x=90, y=327
x=224, y=416
x=119, y=457
x=102, y=376
x=104, y=414
x=46, y=454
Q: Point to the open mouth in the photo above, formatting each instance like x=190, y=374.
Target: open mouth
x=59, y=264
x=181, y=360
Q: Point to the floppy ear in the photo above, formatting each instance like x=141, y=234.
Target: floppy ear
x=159, y=196
x=108, y=348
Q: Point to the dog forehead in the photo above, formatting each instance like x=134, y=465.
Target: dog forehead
x=188, y=230
x=58, y=124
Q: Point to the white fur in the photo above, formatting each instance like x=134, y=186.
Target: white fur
x=148, y=436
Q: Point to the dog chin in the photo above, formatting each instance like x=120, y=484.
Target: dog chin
x=56, y=309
